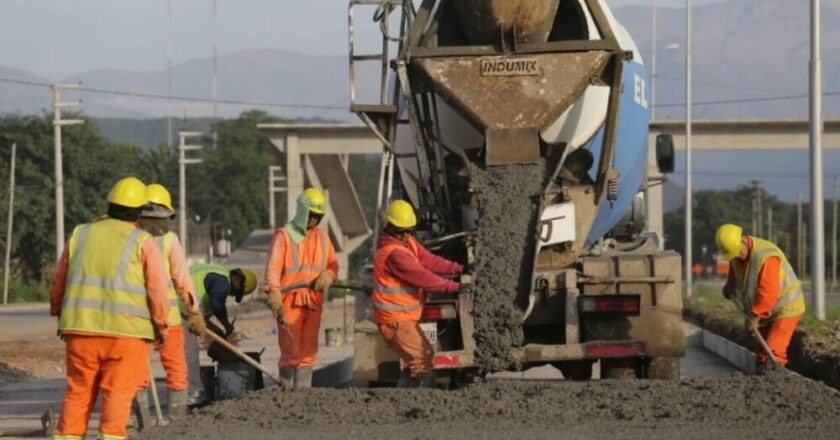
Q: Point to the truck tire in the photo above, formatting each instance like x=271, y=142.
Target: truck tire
x=577, y=370
x=666, y=368
x=621, y=369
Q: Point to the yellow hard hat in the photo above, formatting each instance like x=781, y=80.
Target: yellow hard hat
x=250, y=280
x=401, y=214
x=129, y=192
x=316, y=201
x=158, y=194
x=728, y=240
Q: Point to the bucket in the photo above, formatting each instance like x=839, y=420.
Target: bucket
x=208, y=379
x=333, y=337
x=235, y=378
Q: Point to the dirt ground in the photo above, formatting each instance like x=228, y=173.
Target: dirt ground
x=41, y=358
x=781, y=405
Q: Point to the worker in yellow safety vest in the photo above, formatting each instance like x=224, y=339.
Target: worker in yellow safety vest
x=109, y=293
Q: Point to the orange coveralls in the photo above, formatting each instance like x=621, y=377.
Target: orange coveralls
x=110, y=365
x=298, y=336
x=172, y=355
x=780, y=331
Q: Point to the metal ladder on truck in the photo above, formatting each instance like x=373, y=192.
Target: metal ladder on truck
x=380, y=117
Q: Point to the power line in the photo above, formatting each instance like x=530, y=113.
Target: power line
x=178, y=98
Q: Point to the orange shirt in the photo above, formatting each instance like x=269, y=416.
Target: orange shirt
x=156, y=286
x=767, y=288
x=180, y=273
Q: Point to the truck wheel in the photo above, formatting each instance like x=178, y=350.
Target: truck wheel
x=579, y=370
x=621, y=368
x=667, y=368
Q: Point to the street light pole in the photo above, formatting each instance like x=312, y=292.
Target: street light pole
x=817, y=225
x=688, y=189
x=653, y=59
x=57, y=105
x=182, y=182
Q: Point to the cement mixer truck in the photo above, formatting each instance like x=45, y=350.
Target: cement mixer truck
x=518, y=129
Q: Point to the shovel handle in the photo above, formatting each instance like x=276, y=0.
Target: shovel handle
x=155, y=399
x=757, y=335
x=285, y=384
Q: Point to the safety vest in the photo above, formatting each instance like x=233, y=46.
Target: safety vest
x=198, y=272
x=105, y=291
x=393, y=300
x=302, y=264
x=164, y=242
x=790, y=302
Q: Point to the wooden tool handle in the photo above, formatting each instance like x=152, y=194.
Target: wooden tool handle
x=285, y=384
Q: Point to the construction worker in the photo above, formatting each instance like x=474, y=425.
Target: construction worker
x=213, y=284
x=301, y=267
x=403, y=270
x=154, y=219
x=763, y=284
x=109, y=292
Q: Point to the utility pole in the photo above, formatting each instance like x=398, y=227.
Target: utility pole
x=215, y=82
x=757, y=212
x=182, y=182
x=834, y=236
x=800, y=250
x=652, y=59
x=57, y=105
x=770, y=231
x=816, y=147
x=688, y=189
x=9, y=222
x=275, y=176
x=169, y=73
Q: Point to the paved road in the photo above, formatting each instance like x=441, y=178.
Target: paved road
x=21, y=322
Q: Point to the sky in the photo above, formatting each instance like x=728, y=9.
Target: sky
x=58, y=38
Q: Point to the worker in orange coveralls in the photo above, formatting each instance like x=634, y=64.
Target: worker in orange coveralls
x=155, y=220
x=402, y=270
x=763, y=283
x=109, y=292
x=301, y=267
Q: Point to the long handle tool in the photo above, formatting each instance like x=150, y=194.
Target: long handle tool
x=284, y=384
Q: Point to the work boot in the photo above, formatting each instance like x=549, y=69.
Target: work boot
x=196, y=398
x=303, y=378
x=404, y=380
x=177, y=405
x=288, y=373
x=425, y=381
x=141, y=411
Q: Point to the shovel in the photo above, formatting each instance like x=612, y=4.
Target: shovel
x=284, y=384
x=757, y=335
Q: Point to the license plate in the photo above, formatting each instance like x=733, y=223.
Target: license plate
x=430, y=331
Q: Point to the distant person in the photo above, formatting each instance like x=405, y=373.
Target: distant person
x=763, y=283
x=213, y=284
x=300, y=269
x=109, y=292
x=403, y=270
x=154, y=219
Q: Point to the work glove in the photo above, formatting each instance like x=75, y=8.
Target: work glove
x=465, y=288
x=275, y=303
x=324, y=282
x=195, y=322
x=751, y=324
x=160, y=338
x=229, y=328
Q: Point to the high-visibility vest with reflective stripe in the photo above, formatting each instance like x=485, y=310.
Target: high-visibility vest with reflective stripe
x=303, y=263
x=105, y=289
x=392, y=299
x=790, y=302
x=164, y=242
x=198, y=272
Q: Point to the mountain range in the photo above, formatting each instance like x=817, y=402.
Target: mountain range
x=743, y=50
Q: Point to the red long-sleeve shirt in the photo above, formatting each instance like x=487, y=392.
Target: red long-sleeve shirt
x=767, y=287
x=425, y=271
